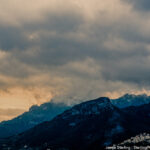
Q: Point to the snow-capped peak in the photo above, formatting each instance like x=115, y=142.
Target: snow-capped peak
x=131, y=100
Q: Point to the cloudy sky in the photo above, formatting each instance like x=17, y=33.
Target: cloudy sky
x=71, y=50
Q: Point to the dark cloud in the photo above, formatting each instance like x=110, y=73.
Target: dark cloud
x=79, y=50
x=12, y=38
x=142, y=5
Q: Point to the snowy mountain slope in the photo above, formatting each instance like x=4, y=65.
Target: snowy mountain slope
x=141, y=141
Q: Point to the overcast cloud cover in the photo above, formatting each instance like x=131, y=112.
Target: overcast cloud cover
x=72, y=50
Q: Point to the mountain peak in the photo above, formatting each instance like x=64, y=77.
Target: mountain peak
x=131, y=100
x=92, y=107
x=100, y=100
x=127, y=95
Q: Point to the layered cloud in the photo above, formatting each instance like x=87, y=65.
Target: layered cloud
x=72, y=50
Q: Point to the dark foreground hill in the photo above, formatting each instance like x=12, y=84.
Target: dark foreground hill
x=90, y=125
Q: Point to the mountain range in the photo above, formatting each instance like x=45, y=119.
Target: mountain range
x=93, y=124
x=47, y=111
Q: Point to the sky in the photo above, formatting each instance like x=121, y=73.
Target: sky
x=71, y=51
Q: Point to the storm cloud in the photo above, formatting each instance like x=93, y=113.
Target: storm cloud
x=72, y=50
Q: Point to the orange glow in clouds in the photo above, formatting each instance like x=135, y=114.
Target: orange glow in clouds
x=23, y=98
